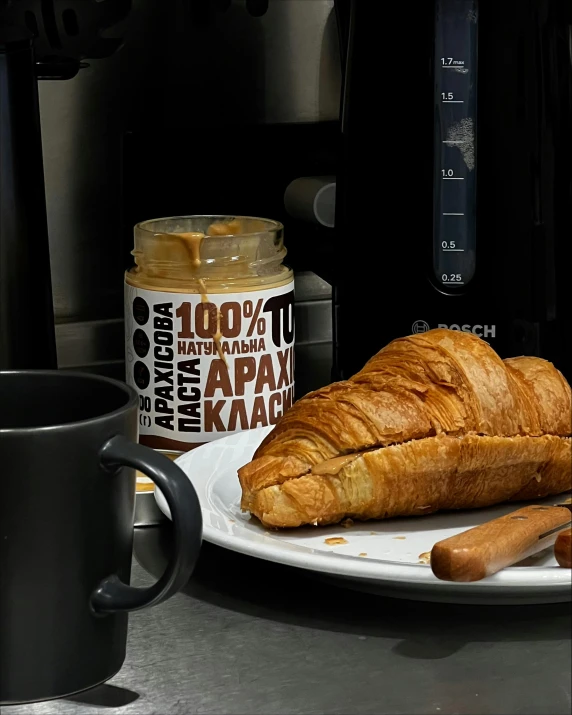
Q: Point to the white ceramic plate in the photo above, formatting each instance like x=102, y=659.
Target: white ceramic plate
x=380, y=556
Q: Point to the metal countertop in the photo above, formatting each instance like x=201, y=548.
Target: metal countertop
x=248, y=636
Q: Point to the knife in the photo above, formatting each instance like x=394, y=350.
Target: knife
x=490, y=547
x=563, y=549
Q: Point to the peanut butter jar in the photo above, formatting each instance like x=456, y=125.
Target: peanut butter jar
x=209, y=328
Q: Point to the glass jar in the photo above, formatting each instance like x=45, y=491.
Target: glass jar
x=209, y=327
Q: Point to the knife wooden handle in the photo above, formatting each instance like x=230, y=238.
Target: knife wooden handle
x=486, y=549
x=563, y=549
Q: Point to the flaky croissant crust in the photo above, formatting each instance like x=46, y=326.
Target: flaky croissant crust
x=436, y=417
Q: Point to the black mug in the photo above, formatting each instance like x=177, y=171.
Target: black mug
x=68, y=456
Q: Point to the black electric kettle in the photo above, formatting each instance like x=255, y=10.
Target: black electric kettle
x=454, y=192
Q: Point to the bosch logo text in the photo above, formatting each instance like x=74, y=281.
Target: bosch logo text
x=483, y=331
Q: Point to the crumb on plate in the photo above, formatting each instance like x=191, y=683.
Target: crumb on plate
x=335, y=541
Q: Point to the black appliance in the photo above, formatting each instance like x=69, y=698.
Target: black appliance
x=39, y=39
x=454, y=198
x=26, y=312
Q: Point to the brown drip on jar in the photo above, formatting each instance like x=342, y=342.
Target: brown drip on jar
x=193, y=241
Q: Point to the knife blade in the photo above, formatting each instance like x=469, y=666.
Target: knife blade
x=490, y=547
x=563, y=549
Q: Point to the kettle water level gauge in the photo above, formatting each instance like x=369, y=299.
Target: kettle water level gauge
x=455, y=99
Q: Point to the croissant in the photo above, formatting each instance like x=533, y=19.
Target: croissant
x=433, y=421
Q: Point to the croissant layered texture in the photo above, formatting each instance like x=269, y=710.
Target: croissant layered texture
x=433, y=421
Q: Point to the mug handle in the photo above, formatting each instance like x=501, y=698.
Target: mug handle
x=112, y=595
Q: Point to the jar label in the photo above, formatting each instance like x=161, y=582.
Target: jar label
x=208, y=366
